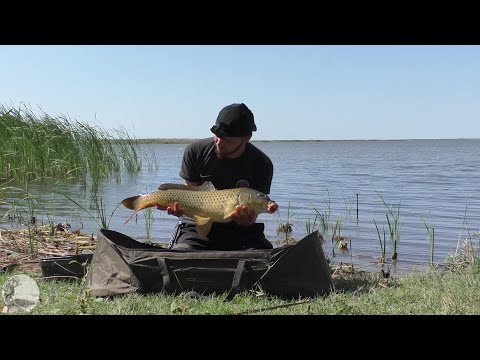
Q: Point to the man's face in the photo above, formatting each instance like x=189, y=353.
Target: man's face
x=229, y=146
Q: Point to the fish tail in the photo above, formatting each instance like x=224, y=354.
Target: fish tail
x=131, y=203
x=136, y=211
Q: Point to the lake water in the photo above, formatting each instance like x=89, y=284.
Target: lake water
x=432, y=183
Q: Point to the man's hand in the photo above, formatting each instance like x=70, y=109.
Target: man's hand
x=244, y=215
x=272, y=207
x=176, y=210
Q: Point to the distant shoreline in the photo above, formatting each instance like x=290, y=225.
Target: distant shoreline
x=187, y=141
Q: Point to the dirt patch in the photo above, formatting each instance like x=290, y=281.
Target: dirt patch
x=22, y=249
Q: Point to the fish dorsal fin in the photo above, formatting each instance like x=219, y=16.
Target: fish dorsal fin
x=203, y=225
x=206, y=186
x=173, y=186
x=168, y=186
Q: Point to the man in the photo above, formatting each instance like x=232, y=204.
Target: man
x=228, y=160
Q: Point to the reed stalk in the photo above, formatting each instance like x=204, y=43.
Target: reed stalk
x=148, y=223
x=432, y=245
x=393, y=220
x=464, y=225
x=324, y=216
x=309, y=227
x=336, y=228
x=100, y=215
x=22, y=210
x=286, y=227
x=382, y=246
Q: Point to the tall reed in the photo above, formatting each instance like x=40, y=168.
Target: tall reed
x=464, y=226
x=309, y=227
x=382, y=246
x=393, y=220
x=324, y=216
x=336, y=229
x=431, y=240
x=286, y=227
x=23, y=209
x=34, y=146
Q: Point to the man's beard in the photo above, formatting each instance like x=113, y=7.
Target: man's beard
x=222, y=155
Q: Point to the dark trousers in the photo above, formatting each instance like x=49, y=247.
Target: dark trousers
x=222, y=236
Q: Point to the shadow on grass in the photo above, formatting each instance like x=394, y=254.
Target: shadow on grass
x=361, y=282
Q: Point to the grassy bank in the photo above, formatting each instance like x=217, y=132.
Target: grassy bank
x=436, y=292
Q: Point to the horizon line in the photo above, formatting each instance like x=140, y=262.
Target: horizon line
x=180, y=140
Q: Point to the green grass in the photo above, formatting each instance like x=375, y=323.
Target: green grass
x=433, y=292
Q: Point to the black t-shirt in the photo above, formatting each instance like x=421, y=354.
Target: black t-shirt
x=253, y=169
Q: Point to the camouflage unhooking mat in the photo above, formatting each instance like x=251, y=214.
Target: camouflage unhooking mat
x=122, y=265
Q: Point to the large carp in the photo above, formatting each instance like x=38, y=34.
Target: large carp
x=204, y=203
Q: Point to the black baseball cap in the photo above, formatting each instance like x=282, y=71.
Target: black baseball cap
x=234, y=120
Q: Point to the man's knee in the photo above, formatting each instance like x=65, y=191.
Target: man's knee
x=188, y=239
x=182, y=246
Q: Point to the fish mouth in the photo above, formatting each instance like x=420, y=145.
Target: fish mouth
x=272, y=206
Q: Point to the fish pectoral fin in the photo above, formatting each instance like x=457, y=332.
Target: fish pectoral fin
x=230, y=208
x=227, y=216
x=203, y=225
x=244, y=198
x=200, y=220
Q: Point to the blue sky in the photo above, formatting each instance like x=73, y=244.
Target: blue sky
x=325, y=92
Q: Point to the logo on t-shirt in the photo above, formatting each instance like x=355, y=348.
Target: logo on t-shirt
x=242, y=184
